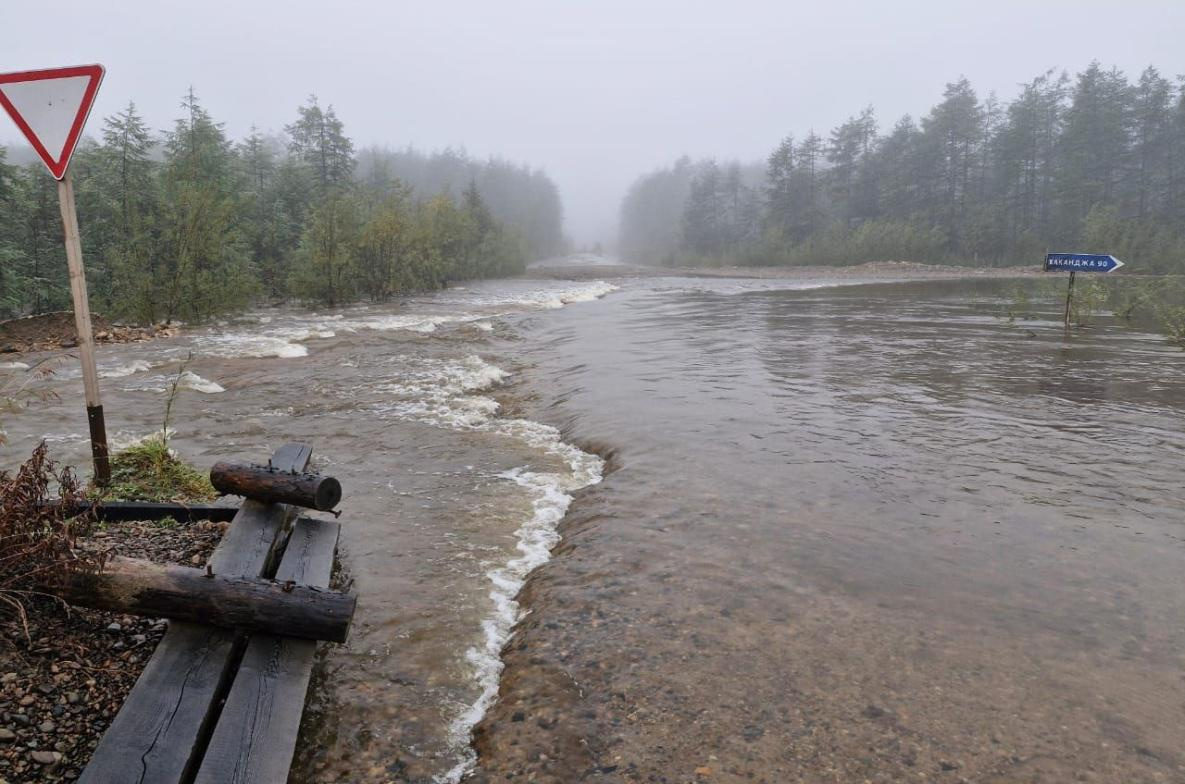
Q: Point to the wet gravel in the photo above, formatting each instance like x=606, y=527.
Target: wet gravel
x=63, y=682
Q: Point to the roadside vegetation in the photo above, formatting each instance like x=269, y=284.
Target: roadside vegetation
x=1156, y=304
x=38, y=539
x=191, y=224
x=149, y=471
x=1094, y=162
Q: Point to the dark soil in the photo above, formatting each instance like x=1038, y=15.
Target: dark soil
x=63, y=681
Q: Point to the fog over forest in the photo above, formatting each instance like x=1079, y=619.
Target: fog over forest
x=594, y=94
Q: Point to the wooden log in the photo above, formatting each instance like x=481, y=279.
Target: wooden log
x=256, y=733
x=138, y=587
x=159, y=734
x=122, y=511
x=264, y=483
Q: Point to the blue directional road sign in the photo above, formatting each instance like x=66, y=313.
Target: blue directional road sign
x=1081, y=262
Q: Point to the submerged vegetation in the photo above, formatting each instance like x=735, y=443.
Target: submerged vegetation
x=192, y=224
x=1095, y=162
x=1155, y=304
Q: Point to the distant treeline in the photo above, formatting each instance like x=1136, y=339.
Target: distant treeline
x=1095, y=163
x=190, y=224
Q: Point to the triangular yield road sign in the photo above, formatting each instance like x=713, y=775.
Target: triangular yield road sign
x=50, y=107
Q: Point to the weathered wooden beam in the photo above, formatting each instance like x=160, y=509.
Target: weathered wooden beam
x=159, y=734
x=123, y=511
x=252, y=604
x=266, y=483
x=256, y=733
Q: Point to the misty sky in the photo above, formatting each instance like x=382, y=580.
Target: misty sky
x=594, y=92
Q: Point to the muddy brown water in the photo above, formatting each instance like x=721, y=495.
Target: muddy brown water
x=854, y=533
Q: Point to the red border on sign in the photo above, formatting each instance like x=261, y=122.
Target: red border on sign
x=57, y=167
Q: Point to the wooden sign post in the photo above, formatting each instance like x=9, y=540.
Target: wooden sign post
x=50, y=107
x=86, y=340
x=1079, y=262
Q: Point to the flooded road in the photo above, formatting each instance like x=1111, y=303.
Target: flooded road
x=856, y=534
x=819, y=533
x=447, y=504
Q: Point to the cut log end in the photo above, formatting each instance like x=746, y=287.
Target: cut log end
x=263, y=483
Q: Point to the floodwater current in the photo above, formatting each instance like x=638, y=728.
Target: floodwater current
x=814, y=532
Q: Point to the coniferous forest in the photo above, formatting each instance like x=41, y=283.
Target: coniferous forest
x=190, y=224
x=1094, y=162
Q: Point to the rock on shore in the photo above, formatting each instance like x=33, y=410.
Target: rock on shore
x=50, y=331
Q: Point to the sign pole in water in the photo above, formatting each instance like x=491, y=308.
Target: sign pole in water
x=50, y=107
x=1079, y=262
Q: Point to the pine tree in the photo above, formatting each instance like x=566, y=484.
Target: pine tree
x=318, y=139
x=268, y=231
x=779, y=188
x=206, y=268
x=704, y=231
x=130, y=208
x=844, y=151
x=808, y=193
x=12, y=256
x=951, y=137
x=1152, y=125
x=1175, y=163
x=1093, y=148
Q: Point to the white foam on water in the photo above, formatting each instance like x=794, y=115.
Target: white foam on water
x=13, y=366
x=542, y=297
x=283, y=336
x=64, y=438
x=545, y=298
x=124, y=439
x=551, y=496
x=437, y=391
x=301, y=334
x=410, y=323
x=446, y=393
x=239, y=345
x=122, y=371
x=190, y=380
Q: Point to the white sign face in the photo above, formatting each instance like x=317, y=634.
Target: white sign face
x=50, y=107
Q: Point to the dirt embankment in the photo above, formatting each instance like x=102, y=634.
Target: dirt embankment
x=50, y=331
x=889, y=270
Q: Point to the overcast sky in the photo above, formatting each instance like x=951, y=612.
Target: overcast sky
x=593, y=92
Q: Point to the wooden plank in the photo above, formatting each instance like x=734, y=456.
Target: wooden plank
x=292, y=457
x=247, y=546
x=256, y=734
x=182, y=593
x=152, y=738
x=159, y=734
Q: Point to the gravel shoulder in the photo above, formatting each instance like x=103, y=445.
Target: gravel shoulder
x=888, y=270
